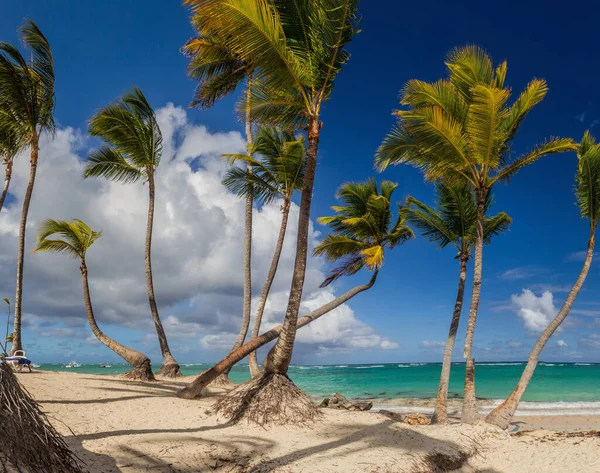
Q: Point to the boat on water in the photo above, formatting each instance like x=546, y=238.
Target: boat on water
x=105, y=366
x=35, y=365
x=72, y=364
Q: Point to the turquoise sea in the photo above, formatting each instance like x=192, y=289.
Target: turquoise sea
x=572, y=387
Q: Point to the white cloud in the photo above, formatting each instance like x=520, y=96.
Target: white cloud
x=522, y=272
x=562, y=343
x=515, y=344
x=536, y=312
x=433, y=344
x=197, y=247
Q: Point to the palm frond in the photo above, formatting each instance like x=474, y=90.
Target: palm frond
x=73, y=238
x=109, y=164
x=495, y=225
x=587, y=188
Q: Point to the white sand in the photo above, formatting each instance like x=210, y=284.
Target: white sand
x=127, y=426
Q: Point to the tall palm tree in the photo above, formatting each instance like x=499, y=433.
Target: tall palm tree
x=12, y=141
x=363, y=229
x=74, y=239
x=297, y=50
x=454, y=223
x=27, y=98
x=276, y=172
x=219, y=72
x=132, y=152
x=460, y=129
x=587, y=191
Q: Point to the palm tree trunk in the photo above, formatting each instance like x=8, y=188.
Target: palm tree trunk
x=170, y=367
x=140, y=362
x=503, y=414
x=253, y=360
x=469, y=410
x=9, y=166
x=34, y=150
x=193, y=390
x=440, y=414
x=280, y=356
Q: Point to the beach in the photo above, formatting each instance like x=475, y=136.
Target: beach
x=118, y=425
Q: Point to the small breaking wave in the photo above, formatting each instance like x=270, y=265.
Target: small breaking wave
x=366, y=367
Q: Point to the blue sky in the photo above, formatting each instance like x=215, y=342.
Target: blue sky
x=103, y=48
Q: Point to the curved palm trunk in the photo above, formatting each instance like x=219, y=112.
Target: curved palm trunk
x=469, y=409
x=280, y=356
x=503, y=414
x=253, y=360
x=193, y=390
x=440, y=414
x=34, y=148
x=140, y=362
x=9, y=166
x=170, y=367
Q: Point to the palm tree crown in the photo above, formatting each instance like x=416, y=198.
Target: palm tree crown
x=461, y=128
x=133, y=140
x=72, y=238
x=277, y=159
x=587, y=186
x=454, y=222
x=27, y=88
x=363, y=228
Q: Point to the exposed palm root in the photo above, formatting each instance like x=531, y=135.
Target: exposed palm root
x=268, y=399
x=223, y=381
x=141, y=373
x=170, y=370
x=28, y=442
x=444, y=462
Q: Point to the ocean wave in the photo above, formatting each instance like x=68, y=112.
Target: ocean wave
x=365, y=367
x=341, y=366
x=584, y=364
x=499, y=364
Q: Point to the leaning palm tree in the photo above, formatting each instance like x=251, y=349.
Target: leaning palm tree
x=74, y=239
x=276, y=172
x=219, y=72
x=27, y=99
x=363, y=229
x=454, y=223
x=12, y=141
x=460, y=129
x=297, y=51
x=132, y=152
x=587, y=191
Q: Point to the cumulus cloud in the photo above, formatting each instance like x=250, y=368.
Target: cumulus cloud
x=536, y=312
x=197, y=247
x=562, y=343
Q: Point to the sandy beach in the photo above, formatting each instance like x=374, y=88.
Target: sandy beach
x=116, y=425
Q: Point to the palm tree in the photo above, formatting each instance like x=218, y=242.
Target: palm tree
x=454, y=222
x=277, y=172
x=219, y=73
x=587, y=191
x=460, y=129
x=297, y=50
x=133, y=152
x=74, y=239
x=27, y=98
x=12, y=141
x=363, y=229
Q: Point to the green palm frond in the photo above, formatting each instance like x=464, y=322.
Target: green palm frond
x=587, y=187
x=454, y=221
x=72, y=238
x=362, y=229
x=133, y=140
x=460, y=129
x=109, y=164
x=278, y=162
x=27, y=87
x=296, y=49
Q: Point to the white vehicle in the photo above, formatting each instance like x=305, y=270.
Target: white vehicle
x=72, y=364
